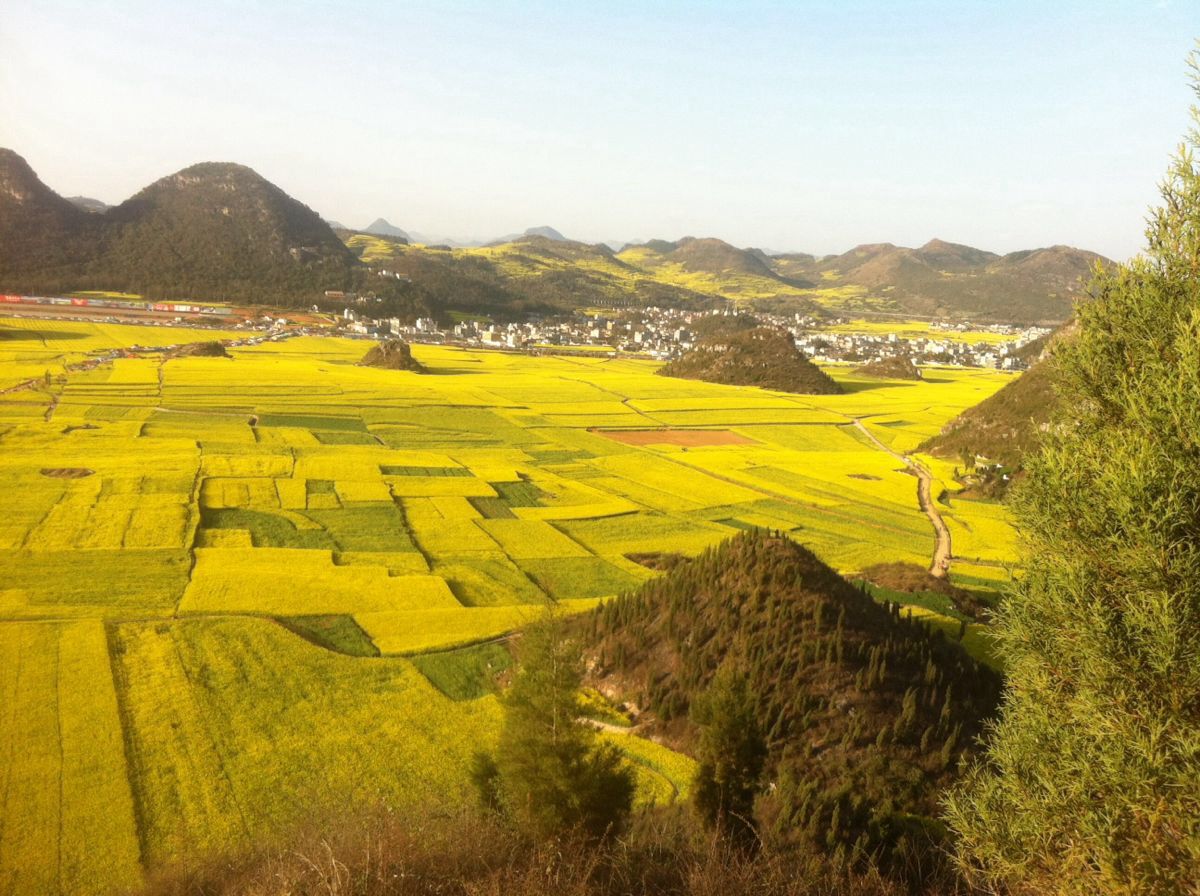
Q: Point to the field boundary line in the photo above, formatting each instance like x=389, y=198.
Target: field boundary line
x=62, y=760
x=194, y=534
x=203, y=715
x=125, y=719
x=11, y=729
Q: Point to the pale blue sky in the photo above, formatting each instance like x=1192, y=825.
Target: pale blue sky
x=806, y=126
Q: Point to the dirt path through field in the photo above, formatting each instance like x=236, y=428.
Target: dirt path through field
x=630, y=731
x=941, y=549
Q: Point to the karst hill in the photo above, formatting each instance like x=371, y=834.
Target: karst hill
x=762, y=357
x=866, y=711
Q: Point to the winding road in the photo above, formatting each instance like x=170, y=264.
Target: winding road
x=942, y=549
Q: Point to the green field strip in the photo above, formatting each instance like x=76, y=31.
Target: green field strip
x=11, y=669
x=30, y=842
x=185, y=799
x=99, y=837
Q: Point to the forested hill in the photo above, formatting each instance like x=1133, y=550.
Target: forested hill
x=1006, y=427
x=762, y=357
x=867, y=713
x=42, y=235
x=221, y=227
x=211, y=231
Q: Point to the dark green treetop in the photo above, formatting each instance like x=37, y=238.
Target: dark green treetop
x=1091, y=782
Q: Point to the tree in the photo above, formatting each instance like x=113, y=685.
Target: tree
x=1091, y=781
x=732, y=752
x=968, y=458
x=550, y=773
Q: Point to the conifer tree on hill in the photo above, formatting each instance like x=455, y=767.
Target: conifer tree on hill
x=551, y=774
x=732, y=754
x=1091, y=782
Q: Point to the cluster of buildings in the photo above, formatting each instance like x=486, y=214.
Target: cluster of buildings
x=863, y=348
x=661, y=333
x=665, y=333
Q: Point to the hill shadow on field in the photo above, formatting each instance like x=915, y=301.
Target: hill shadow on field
x=451, y=371
x=44, y=335
x=851, y=387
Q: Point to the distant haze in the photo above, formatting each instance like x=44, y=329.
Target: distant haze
x=791, y=126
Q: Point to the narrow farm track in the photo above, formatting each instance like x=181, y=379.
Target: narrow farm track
x=205, y=413
x=21, y=386
x=623, y=730
x=941, y=548
x=631, y=731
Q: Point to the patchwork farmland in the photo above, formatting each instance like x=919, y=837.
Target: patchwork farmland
x=233, y=590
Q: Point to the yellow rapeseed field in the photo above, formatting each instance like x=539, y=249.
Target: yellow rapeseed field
x=161, y=519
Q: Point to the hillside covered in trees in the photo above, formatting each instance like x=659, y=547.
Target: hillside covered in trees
x=865, y=712
x=213, y=231
x=1089, y=782
x=893, y=368
x=1007, y=427
x=392, y=354
x=762, y=357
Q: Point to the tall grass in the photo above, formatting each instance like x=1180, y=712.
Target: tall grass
x=470, y=855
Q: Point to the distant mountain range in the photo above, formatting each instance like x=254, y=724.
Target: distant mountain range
x=948, y=279
x=221, y=231
x=939, y=279
x=381, y=227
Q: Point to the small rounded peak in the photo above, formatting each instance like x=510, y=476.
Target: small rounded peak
x=384, y=227
x=546, y=231
x=950, y=255
x=88, y=204
x=895, y=368
x=392, y=354
x=217, y=169
x=208, y=181
x=865, y=252
x=225, y=174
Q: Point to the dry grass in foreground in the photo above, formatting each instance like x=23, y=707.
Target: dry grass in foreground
x=393, y=855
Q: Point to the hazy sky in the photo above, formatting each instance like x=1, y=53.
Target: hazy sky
x=805, y=126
